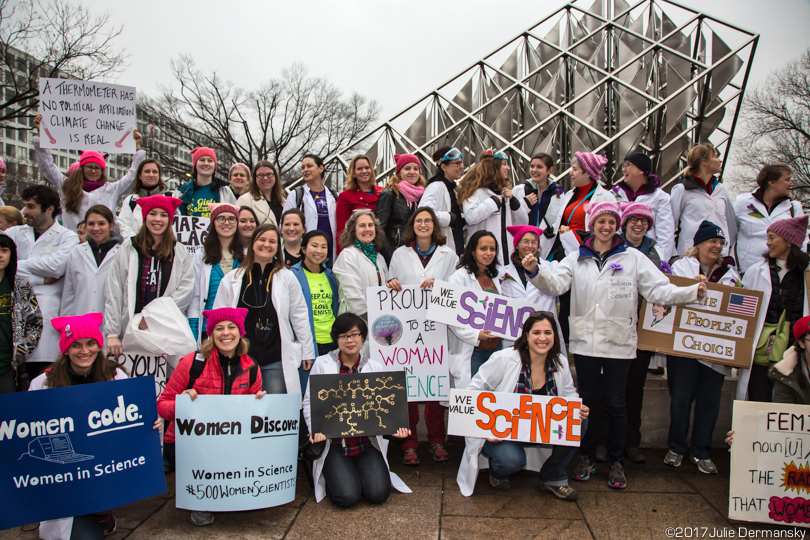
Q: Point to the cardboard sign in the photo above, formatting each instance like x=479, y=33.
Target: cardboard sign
x=140, y=363
x=86, y=115
x=236, y=452
x=191, y=231
x=462, y=307
x=770, y=471
x=78, y=450
x=362, y=404
x=515, y=417
x=719, y=329
x=401, y=337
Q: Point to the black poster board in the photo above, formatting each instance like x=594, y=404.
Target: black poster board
x=358, y=405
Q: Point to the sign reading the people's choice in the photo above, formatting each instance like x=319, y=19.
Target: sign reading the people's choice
x=87, y=115
x=469, y=308
x=78, y=450
x=515, y=417
x=191, y=231
x=236, y=452
x=401, y=337
x=770, y=471
x=719, y=329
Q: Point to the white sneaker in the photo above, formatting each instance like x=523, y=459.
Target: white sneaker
x=672, y=459
x=706, y=466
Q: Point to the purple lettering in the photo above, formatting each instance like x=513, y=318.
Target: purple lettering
x=473, y=317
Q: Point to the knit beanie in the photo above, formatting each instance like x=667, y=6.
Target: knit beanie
x=73, y=166
x=216, y=316
x=404, y=159
x=635, y=209
x=222, y=208
x=247, y=170
x=201, y=151
x=517, y=232
x=91, y=156
x=2, y=165
x=78, y=327
x=801, y=327
x=642, y=161
x=169, y=204
x=708, y=231
x=594, y=210
x=794, y=230
x=592, y=164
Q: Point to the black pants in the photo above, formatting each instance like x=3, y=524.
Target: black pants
x=634, y=399
x=760, y=387
x=565, y=312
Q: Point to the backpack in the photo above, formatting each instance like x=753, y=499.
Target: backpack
x=299, y=196
x=199, y=363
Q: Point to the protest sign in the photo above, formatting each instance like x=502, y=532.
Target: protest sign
x=236, y=452
x=464, y=308
x=401, y=337
x=362, y=404
x=515, y=417
x=718, y=329
x=86, y=115
x=141, y=363
x=191, y=231
x=78, y=450
x=770, y=472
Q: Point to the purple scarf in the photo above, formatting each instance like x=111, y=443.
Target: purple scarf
x=92, y=186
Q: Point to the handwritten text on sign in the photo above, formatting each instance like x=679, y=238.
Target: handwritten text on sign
x=770, y=472
x=515, y=417
x=84, y=115
x=191, y=231
x=402, y=338
x=464, y=308
x=140, y=363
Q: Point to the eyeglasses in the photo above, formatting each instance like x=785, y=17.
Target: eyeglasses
x=532, y=243
x=225, y=219
x=346, y=337
x=265, y=175
x=426, y=221
x=91, y=168
x=635, y=219
x=454, y=154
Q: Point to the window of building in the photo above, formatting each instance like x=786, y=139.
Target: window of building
x=22, y=153
x=63, y=162
x=22, y=135
x=23, y=169
x=10, y=133
x=10, y=150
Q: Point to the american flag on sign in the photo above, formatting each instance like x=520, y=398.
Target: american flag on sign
x=742, y=305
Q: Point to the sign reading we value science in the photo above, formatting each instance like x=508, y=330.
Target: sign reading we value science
x=515, y=417
x=402, y=338
x=191, y=231
x=462, y=307
x=718, y=329
x=86, y=115
x=770, y=472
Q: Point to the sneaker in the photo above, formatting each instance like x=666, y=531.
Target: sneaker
x=672, y=459
x=656, y=371
x=566, y=493
x=107, y=522
x=439, y=452
x=616, y=479
x=500, y=484
x=586, y=467
x=202, y=518
x=635, y=454
x=409, y=457
x=706, y=466
x=601, y=454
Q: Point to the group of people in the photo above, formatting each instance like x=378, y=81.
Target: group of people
x=278, y=292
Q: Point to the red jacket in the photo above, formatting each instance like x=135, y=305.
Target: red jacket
x=209, y=382
x=350, y=200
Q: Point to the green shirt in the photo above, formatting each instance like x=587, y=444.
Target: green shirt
x=199, y=201
x=6, y=341
x=322, y=313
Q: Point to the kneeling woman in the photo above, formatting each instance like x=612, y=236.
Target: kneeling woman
x=221, y=367
x=349, y=469
x=533, y=365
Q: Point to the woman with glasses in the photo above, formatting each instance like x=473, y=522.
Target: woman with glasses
x=359, y=191
x=277, y=322
x=293, y=227
x=222, y=251
x=542, y=199
x=351, y=468
x=398, y=201
x=89, y=184
x=265, y=196
x=440, y=195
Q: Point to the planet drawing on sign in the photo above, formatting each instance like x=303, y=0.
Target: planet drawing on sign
x=386, y=330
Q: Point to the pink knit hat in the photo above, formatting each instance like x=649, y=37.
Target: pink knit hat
x=222, y=208
x=404, y=159
x=594, y=210
x=216, y=316
x=247, y=169
x=73, y=166
x=201, y=151
x=2, y=165
x=794, y=230
x=91, y=156
x=634, y=209
x=517, y=232
x=592, y=164
x=78, y=327
x=169, y=204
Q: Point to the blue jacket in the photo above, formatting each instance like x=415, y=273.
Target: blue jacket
x=298, y=270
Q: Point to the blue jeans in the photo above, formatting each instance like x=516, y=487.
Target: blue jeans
x=273, y=378
x=508, y=457
x=690, y=381
x=350, y=477
x=479, y=356
x=613, y=374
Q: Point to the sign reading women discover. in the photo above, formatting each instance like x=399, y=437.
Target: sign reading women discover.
x=402, y=338
x=236, y=452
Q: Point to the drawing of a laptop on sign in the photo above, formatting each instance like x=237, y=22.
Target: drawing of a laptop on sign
x=54, y=448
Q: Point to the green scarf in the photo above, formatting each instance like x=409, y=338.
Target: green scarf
x=371, y=252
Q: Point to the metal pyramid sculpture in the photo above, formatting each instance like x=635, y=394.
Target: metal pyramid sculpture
x=613, y=78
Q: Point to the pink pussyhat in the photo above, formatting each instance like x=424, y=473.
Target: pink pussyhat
x=73, y=167
x=169, y=204
x=235, y=315
x=221, y=208
x=594, y=210
x=634, y=209
x=78, y=327
x=517, y=232
x=91, y=156
x=201, y=151
x=592, y=164
x=2, y=165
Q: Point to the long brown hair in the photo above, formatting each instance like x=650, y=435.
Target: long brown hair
x=58, y=377
x=349, y=234
x=165, y=249
x=485, y=174
x=212, y=247
x=351, y=180
x=277, y=195
x=522, y=343
x=410, y=235
x=247, y=262
x=138, y=185
x=73, y=190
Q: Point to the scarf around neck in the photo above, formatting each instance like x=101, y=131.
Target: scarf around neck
x=411, y=192
x=369, y=250
x=92, y=186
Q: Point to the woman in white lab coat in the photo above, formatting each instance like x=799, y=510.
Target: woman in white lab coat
x=148, y=181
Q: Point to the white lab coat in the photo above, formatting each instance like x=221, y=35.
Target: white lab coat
x=569, y=239
x=297, y=343
x=551, y=219
x=437, y=198
x=36, y=260
x=758, y=278
x=604, y=302
x=482, y=214
x=262, y=209
x=328, y=364
x=130, y=220
x=690, y=207
x=753, y=231
x=663, y=229
x=122, y=286
x=199, y=295
x=108, y=194
x=311, y=212
x=500, y=374
x=85, y=289
x=407, y=268
x=355, y=273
